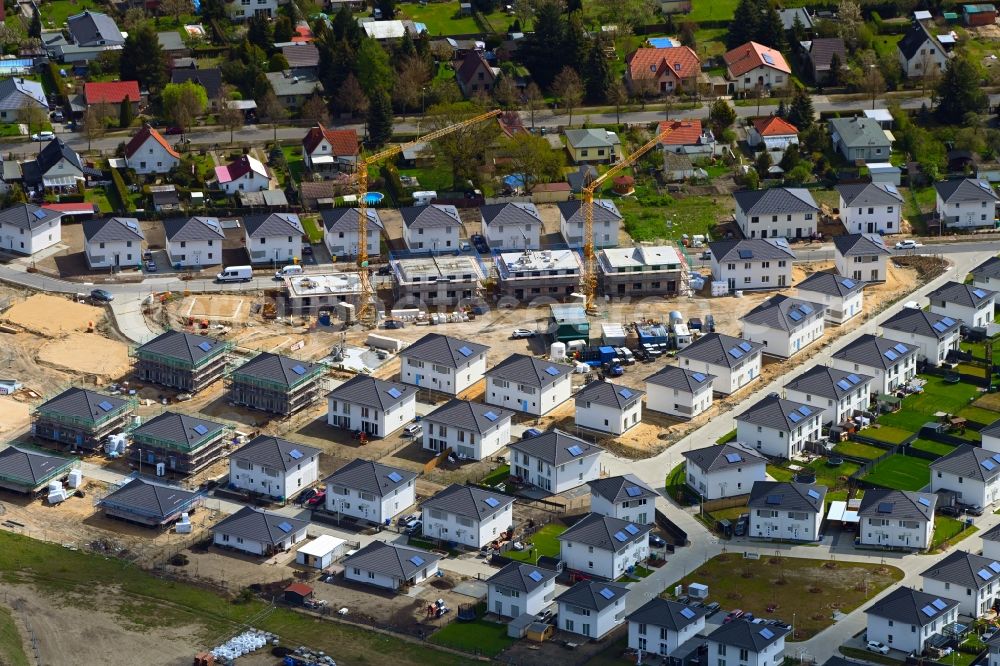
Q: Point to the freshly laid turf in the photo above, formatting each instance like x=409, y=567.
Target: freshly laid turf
x=545, y=542
x=858, y=450
x=937, y=448
x=888, y=434
x=947, y=529
x=901, y=472
x=478, y=637
x=826, y=475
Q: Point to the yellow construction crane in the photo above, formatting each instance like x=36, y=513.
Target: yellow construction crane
x=589, y=258
x=366, y=308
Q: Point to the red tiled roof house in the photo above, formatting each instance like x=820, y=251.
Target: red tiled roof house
x=475, y=75
x=148, y=152
x=112, y=93
x=773, y=132
x=686, y=137
x=753, y=66
x=669, y=69
x=326, y=149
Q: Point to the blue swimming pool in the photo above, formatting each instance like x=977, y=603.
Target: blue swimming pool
x=374, y=198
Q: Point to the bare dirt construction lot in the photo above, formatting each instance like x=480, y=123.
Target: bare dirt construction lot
x=52, y=316
x=87, y=353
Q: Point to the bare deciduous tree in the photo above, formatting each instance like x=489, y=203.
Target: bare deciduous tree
x=271, y=110
x=568, y=87
x=533, y=100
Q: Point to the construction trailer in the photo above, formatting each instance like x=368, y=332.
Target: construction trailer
x=184, y=444
x=81, y=418
x=182, y=361
x=275, y=383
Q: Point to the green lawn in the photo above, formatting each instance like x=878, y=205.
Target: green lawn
x=887, y=434
x=833, y=477
x=11, y=646
x=442, y=19
x=313, y=227
x=499, y=475
x=660, y=218
x=434, y=177
x=946, y=529
x=858, y=450
x=478, y=637
x=901, y=472
x=54, y=14
x=293, y=157
x=885, y=45
x=808, y=589
x=978, y=414
x=873, y=657
x=637, y=574
x=728, y=437
x=98, y=196
x=545, y=542
x=937, y=448
x=715, y=10
x=676, y=484
x=937, y=396
x=917, y=203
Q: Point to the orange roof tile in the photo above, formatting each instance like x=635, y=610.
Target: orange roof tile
x=774, y=126
x=752, y=55
x=140, y=138
x=342, y=142
x=681, y=61
x=680, y=132
x=111, y=92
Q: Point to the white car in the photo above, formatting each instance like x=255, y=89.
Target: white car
x=875, y=646
x=908, y=244
x=43, y=136
x=520, y=333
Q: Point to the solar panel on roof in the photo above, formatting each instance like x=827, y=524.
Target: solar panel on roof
x=551, y=371
x=631, y=529
x=795, y=417
x=767, y=58
x=794, y=315
x=979, y=293
x=285, y=527
x=939, y=327
x=395, y=477
x=417, y=561
x=996, y=456
x=493, y=502
x=294, y=454
x=299, y=370
x=491, y=416
x=394, y=392
x=854, y=379
x=735, y=353
x=465, y=351
x=200, y=429
x=848, y=283
x=733, y=458
x=574, y=450
x=625, y=393
x=923, y=501
x=746, y=346
x=901, y=348
x=940, y=605
x=687, y=612
x=774, y=499
x=806, y=308
x=891, y=355
x=766, y=633
x=607, y=594
x=844, y=384
x=805, y=411
x=633, y=491
x=105, y=406
x=746, y=254
x=984, y=574
x=928, y=610
x=947, y=321
x=620, y=536
x=697, y=376
x=535, y=576
x=988, y=465
x=38, y=213
x=205, y=346
x=885, y=507
x=995, y=567
x=812, y=493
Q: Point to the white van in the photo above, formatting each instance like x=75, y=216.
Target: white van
x=235, y=274
x=288, y=271
x=424, y=197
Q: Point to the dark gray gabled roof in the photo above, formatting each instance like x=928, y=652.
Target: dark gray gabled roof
x=827, y=382
x=748, y=636
x=529, y=370
x=112, y=230
x=275, y=224
x=554, y=447
x=906, y=605
x=962, y=294
x=510, y=213
x=182, y=346
x=964, y=569
x=592, y=596
x=869, y=194
x=469, y=502
x=992, y=534
x=751, y=249
x=523, y=577
x=914, y=38
x=30, y=466
x=681, y=379
x=922, y=322
x=274, y=452
x=778, y=413
x=27, y=216
x=830, y=284
x=371, y=477
x=400, y=562
x=435, y=215
x=723, y=456
x=621, y=488
x=209, y=79
x=182, y=429
x=992, y=430
x=988, y=269
x=673, y=615
x=965, y=190
x=786, y=496
x=346, y=219
x=875, y=351
x=150, y=499
x=775, y=201
x=971, y=462
x=860, y=245
x=468, y=415
x=720, y=349
x=611, y=395
x=443, y=350
x=260, y=526
x=193, y=229
x=605, y=532
x=277, y=369
x=371, y=392
x=605, y=210
x=898, y=504
x=784, y=313
x=91, y=28
x=83, y=404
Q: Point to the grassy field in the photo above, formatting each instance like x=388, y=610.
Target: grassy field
x=478, y=637
x=717, y=10
x=314, y=228
x=887, y=434
x=978, y=414
x=951, y=530
x=647, y=221
x=937, y=448
x=901, y=472
x=545, y=542
x=885, y=45
x=858, y=450
x=296, y=165
x=826, y=475
x=98, y=196
x=728, y=437
x=54, y=14
x=11, y=646
x=809, y=589
x=203, y=614
x=937, y=396
x=434, y=177
x=442, y=19
x=499, y=475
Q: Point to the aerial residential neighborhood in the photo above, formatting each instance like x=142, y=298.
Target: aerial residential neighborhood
x=544, y=332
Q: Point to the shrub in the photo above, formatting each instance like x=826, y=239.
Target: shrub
x=122, y=191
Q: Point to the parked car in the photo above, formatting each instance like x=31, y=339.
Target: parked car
x=57, y=116
x=43, y=136
x=413, y=429
x=306, y=495
x=531, y=432
x=732, y=615
x=950, y=510
x=712, y=608
x=102, y=295
x=479, y=242
x=393, y=323
x=317, y=499
x=656, y=541
x=908, y=244
x=875, y=646
x=173, y=131
x=974, y=510
x=414, y=528
x=521, y=333
x=406, y=520
x=150, y=266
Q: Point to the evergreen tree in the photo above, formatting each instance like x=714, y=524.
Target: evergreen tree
x=213, y=10
x=380, y=118
x=959, y=92
x=373, y=68
x=599, y=74
x=791, y=158
x=259, y=32
x=337, y=60
x=801, y=112
x=763, y=163
x=542, y=49
x=576, y=44
x=125, y=113
x=743, y=29
x=721, y=116
x=782, y=109
x=770, y=30
x=798, y=30
x=833, y=76
x=35, y=29
x=283, y=29
x=345, y=27
x=388, y=8
x=142, y=58
x=406, y=47
x=574, y=6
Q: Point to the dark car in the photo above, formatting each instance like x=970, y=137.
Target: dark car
x=102, y=295
x=531, y=432
x=712, y=608
x=479, y=242
x=656, y=541
x=733, y=615
x=173, y=131
x=306, y=495
x=974, y=510
x=414, y=528
x=950, y=510
x=393, y=323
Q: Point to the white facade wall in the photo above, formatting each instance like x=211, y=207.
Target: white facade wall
x=151, y=157
x=884, y=382
x=903, y=635
x=779, y=443
x=728, y=380
x=249, y=182
x=590, y=623
x=446, y=526
x=967, y=214
x=727, y=482
x=605, y=418
x=869, y=220
x=786, y=225
x=782, y=524
x=970, y=491
x=466, y=443
x=601, y=562
x=640, y=511
x=969, y=316
x=508, y=602
x=359, y=575
x=605, y=233
x=931, y=349
x=895, y=532
x=528, y=399
x=991, y=549
x=345, y=243
x=253, y=547
x=991, y=283
x=994, y=656
x=729, y=655
x=661, y=640
x=869, y=268
x=762, y=75
x=117, y=253
x=349, y=416
x=512, y=236
x=775, y=274
x=785, y=343
x=428, y=239
x=195, y=253
x=555, y=479
x=368, y=506
x=971, y=602
x=835, y=411
x=29, y=241
x=278, y=249
x=676, y=402
x=838, y=310
x=929, y=57
x=270, y=481
x=439, y=377
x=991, y=443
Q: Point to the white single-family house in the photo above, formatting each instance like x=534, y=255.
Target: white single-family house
x=472, y=430
x=679, y=392
x=752, y=263
x=520, y=589
x=390, y=566
x=896, y=518
x=920, y=53
x=754, y=67
x=607, y=222
x=842, y=297
x=603, y=546
x=966, y=203
x=259, y=532
x=934, y=334
x=369, y=490
x=591, y=608
x=528, y=384
x=732, y=362
x=433, y=228
x=774, y=133
x=194, y=241
x=870, y=208
x=274, y=238
x=971, y=305
x=987, y=274
x=466, y=515
x=623, y=497
x=778, y=427
x=325, y=149
x=26, y=228
x=786, y=511
x=784, y=325
x=511, y=226
x=747, y=644
x=861, y=257
x=778, y=212
x=990, y=436
x=149, y=153
x=660, y=626
x=340, y=231
x=993, y=649
x=890, y=363
x=245, y=174
x=971, y=580
x=724, y=470
x=555, y=461
x=111, y=242
x=373, y=406
x=608, y=407
x=442, y=363
x=274, y=467
x=905, y=618
x=991, y=543
x=837, y=393
x=972, y=472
